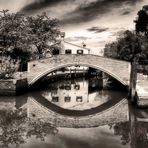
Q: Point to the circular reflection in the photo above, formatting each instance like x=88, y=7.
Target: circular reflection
x=78, y=97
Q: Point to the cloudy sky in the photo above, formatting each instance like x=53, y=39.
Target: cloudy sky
x=95, y=22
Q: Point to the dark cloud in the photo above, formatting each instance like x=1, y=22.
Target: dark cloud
x=97, y=29
x=40, y=4
x=85, y=13
x=126, y=12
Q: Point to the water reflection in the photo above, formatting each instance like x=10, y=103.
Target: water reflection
x=29, y=121
x=79, y=94
x=16, y=128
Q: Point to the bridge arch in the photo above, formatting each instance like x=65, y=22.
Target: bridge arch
x=48, y=71
x=120, y=70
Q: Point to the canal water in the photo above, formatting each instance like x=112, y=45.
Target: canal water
x=72, y=114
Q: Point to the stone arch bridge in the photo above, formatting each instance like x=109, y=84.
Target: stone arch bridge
x=118, y=69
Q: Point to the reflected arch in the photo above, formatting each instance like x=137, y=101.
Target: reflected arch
x=40, y=108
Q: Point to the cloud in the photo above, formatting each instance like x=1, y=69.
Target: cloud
x=97, y=29
x=12, y=5
x=74, y=11
x=39, y=4
x=126, y=12
x=77, y=38
x=94, y=21
x=90, y=11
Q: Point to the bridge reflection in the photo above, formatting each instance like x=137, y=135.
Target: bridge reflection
x=110, y=112
x=78, y=94
x=33, y=118
x=73, y=104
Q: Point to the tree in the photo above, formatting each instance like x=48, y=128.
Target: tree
x=128, y=46
x=24, y=38
x=27, y=37
x=43, y=33
x=8, y=67
x=142, y=20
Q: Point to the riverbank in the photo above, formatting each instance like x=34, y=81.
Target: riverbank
x=19, y=84
x=11, y=87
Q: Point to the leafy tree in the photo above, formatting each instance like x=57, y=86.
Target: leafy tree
x=28, y=33
x=43, y=32
x=24, y=38
x=142, y=20
x=8, y=67
x=27, y=37
x=127, y=47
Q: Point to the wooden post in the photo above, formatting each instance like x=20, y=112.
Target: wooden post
x=133, y=127
x=133, y=79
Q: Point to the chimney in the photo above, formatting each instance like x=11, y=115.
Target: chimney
x=84, y=45
x=62, y=35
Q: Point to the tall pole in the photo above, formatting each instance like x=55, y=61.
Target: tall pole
x=133, y=79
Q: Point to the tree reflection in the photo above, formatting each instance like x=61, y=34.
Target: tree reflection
x=16, y=128
x=136, y=136
x=12, y=127
x=122, y=129
x=40, y=129
x=142, y=135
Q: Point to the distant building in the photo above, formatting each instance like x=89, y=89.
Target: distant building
x=71, y=48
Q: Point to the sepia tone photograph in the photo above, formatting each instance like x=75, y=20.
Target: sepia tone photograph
x=74, y=74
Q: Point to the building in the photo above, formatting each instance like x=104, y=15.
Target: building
x=70, y=48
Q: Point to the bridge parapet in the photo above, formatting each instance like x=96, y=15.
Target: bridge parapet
x=118, y=69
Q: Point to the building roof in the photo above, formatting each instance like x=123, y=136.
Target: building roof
x=76, y=45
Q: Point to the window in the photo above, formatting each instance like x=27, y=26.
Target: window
x=68, y=87
x=77, y=87
x=79, y=99
x=55, y=99
x=79, y=51
x=67, y=99
x=68, y=51
x=55, y=51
